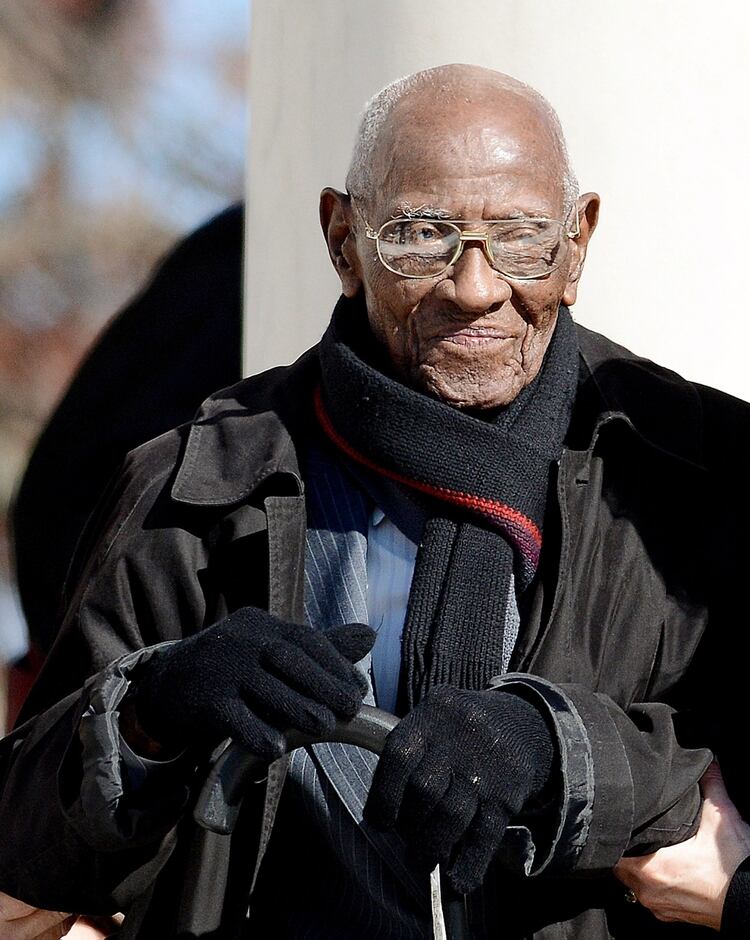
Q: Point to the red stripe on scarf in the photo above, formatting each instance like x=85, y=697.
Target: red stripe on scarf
x=526, y=531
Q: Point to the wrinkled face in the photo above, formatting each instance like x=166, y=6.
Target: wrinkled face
x=471, y=336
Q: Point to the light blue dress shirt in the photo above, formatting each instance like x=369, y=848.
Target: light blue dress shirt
x=390, y=567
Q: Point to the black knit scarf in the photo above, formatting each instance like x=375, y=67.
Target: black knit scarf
x=481, y=485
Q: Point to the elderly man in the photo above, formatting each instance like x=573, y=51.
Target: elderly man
x=506, y=499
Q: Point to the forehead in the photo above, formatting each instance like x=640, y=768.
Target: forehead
x=476, y=161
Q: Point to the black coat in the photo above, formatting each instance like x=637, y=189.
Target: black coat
x=633, y=639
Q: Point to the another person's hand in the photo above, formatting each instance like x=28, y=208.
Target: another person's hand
x=19, y=921
x=454, y=771
x=250, y=677
x=688, y=882
x=94, y=928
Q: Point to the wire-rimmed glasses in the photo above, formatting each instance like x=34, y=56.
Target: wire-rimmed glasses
x=524, y=248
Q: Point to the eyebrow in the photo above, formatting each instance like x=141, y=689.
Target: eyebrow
x=520, y=214
x=405, y=210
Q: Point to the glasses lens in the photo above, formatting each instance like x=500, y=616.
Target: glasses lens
x=417, y=247
x=527, y=247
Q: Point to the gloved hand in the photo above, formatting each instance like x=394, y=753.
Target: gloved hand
x=249, y=677
x=454, y=771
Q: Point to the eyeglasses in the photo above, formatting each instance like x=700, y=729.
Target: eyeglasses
x=523, y=249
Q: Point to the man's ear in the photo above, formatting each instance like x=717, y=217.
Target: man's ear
x=587, y=208
x=335, y=220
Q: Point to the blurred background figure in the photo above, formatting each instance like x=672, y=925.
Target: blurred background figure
x=121, y=127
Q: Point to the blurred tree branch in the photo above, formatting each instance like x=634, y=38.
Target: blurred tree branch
x=67, y=66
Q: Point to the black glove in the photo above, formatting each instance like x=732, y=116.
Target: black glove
x=452, y=774
x=249, y=677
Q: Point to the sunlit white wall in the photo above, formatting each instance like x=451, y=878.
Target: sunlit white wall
x=652, y=94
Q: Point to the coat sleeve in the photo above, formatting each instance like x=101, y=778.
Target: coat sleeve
x=73, y=836
x=625, y=782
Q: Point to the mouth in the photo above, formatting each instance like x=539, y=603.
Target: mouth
x=474, y=336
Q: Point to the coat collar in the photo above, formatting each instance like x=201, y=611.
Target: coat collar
x=243, y=435
x=661, y=407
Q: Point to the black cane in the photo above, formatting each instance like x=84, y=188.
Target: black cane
x=218, y=808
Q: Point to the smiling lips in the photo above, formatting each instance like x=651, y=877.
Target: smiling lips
x=474, y=336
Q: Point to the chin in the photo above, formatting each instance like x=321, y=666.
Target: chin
x=469, y=396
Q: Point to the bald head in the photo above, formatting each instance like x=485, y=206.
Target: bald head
x=415, y=111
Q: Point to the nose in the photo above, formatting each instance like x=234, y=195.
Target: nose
x=477, y=286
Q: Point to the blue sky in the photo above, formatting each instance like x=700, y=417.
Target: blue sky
x=183, y=105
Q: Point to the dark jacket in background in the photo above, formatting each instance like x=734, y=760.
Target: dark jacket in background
x=177, y=342
x=638, y=618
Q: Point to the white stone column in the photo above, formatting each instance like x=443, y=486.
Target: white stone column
x=651, y=94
